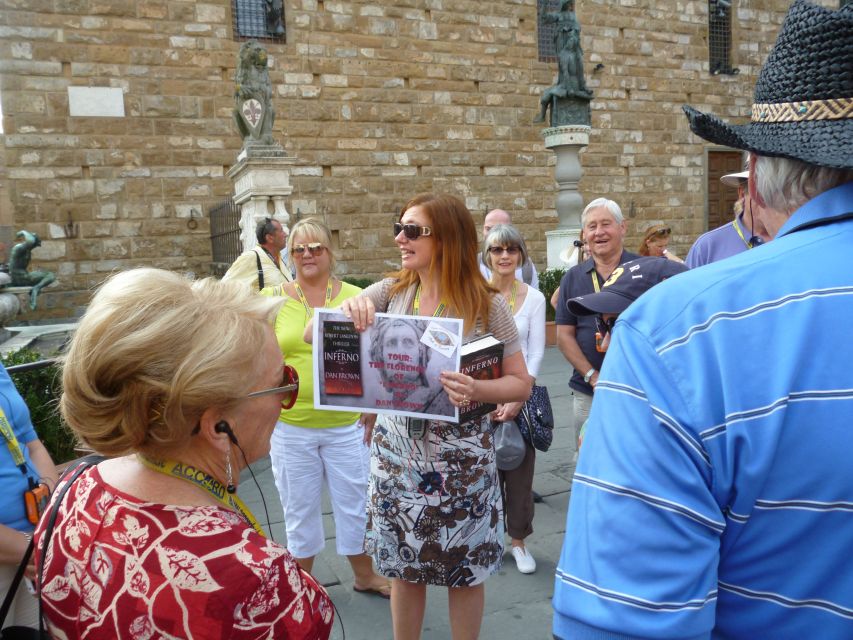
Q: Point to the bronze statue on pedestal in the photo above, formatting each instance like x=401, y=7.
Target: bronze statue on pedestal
x=569, y=97
x=19, y=260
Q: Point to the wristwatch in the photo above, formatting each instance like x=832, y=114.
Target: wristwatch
x=589, y=375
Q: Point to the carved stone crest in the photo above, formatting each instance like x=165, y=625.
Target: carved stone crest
x=253, y=109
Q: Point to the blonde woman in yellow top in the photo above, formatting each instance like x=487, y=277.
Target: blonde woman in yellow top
x=310, y=448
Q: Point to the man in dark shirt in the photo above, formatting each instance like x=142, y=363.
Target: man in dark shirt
x=604, y=230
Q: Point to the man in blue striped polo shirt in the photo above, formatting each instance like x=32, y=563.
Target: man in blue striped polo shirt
x=713, y=497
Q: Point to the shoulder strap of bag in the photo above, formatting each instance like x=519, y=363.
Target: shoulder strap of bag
x=75, y=471
x=16, y=582
x=260, y=270
x=19, y=574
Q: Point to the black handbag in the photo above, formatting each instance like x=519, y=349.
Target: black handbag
x=536, y=419
x=26, y=633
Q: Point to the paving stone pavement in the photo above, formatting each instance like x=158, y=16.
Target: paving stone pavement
x=517, y=605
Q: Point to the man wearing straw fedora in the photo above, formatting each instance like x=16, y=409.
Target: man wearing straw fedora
x=746, y=231
x=713, y=497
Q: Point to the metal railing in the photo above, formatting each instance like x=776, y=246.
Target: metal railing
x=31, y=366
x=224, y=236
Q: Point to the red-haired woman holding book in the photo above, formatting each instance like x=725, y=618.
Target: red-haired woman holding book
x=435, y=513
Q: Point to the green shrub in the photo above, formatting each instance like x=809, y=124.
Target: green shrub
x=361, y=283
x=549, y=281
x=40, y=389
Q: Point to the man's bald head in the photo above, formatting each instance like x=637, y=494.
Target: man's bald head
x=494, y=218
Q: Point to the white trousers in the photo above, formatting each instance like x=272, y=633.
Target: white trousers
x=25, y=607
x=302, y=459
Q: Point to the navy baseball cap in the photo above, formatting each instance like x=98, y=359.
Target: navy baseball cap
x=627, y=283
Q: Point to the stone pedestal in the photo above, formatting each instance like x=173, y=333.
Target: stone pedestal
x=566, y=141
x=10, y=307
x=261, y=180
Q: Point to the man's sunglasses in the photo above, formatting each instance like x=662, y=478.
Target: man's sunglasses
x=289, y=384
x=314, y=248
x=604, y=326
x=497, y=251
x=411, y=231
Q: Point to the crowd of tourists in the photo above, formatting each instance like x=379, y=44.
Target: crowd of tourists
x=691, y=405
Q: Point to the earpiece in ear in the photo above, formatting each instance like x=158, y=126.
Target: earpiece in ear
x=224, y=427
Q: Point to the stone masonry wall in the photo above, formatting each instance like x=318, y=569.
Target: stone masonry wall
x=377, y=101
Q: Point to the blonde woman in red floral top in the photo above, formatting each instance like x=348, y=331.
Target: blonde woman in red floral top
x=183, y=383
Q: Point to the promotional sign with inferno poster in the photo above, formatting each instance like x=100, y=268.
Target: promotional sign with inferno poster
x=392, y=367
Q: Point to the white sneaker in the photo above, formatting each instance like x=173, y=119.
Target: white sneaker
x=523, y=560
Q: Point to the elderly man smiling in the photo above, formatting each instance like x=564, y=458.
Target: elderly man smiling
x=604, y=230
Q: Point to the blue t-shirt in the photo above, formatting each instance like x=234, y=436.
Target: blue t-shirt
x=713, y=496
x=717, y=244
x=13, y=482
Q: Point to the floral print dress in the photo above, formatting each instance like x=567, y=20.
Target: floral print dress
x=435, y=514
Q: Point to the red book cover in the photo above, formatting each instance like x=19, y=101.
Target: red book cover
x=341, y=359
x=480, y=359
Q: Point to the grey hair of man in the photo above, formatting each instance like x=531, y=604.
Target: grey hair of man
x=377, y=351
x=611, y=206
x=504, y=235
x=265, y=227
x=785, y=184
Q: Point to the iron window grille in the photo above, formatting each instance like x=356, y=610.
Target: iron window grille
x=545, y=30
x=259, y=20
x=720, y=37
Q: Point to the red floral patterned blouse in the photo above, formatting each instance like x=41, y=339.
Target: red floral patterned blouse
x=121, y=568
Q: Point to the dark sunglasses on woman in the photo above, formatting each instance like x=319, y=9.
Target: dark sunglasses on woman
x=496, y=251
x=411, y=231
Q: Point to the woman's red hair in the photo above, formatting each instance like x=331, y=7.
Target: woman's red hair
x=454, y=263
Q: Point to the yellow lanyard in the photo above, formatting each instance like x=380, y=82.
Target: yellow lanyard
x=12, y=442
x=513, y=294
x=203, y=479
x=416, y=305
x=595, y=280
x=740, y=233
x=309, y=310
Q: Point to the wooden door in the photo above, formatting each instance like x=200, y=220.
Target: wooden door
x=721, y=198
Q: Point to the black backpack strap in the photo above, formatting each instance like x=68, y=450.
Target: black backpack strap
x=260, y=270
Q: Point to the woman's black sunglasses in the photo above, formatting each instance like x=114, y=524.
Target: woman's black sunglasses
x=411, y=231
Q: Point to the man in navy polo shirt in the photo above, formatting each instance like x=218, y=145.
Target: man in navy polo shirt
x=604, y=231
x=714, y=497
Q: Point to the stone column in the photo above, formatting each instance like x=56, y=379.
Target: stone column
x=261, y=180
x=566, y=141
